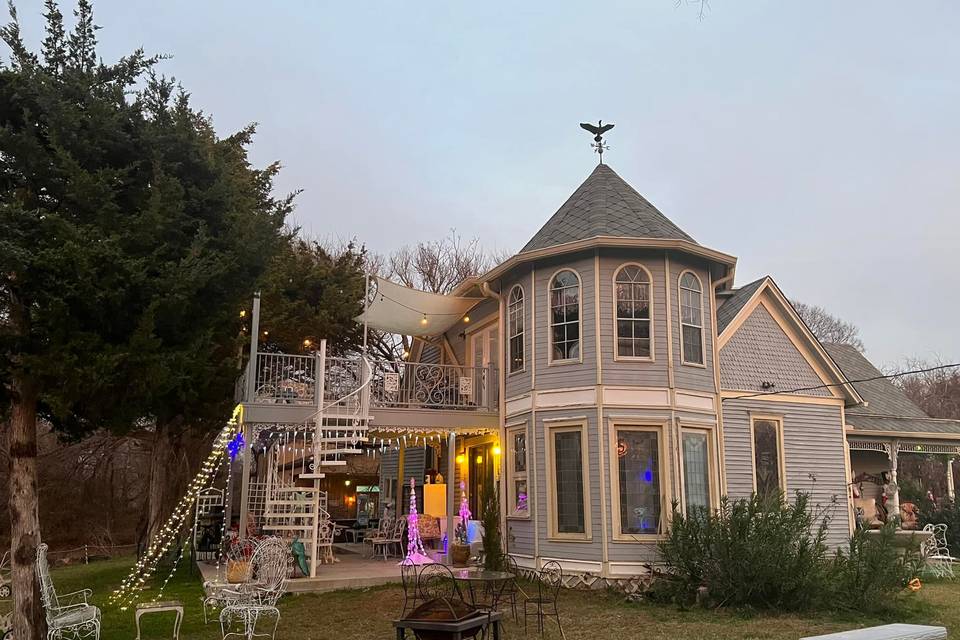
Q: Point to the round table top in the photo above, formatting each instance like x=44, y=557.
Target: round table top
x=481, y=575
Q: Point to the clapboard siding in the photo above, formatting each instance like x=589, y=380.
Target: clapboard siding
x=813, y=454
x=520, y=536
x=626, y=372
x=688, y=376
x=480, y=315
x=574, y=374
x=579, y=550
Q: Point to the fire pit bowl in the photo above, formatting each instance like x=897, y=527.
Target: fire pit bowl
x=447, y=619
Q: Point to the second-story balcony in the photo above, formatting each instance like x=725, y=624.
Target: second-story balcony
x=400, y=393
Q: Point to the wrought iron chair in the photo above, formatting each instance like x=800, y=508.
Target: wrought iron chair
x=436, y=581
x=258, y=599
x=411, y=595
x=384, y=529
x=936, y=553
x=545, y=603
x=69, y=615
x=511, y=589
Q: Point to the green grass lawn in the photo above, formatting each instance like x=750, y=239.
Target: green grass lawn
x=366, y=614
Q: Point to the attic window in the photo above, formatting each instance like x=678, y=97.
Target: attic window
x=691, y=318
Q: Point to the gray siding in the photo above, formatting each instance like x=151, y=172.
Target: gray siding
x=761, y=352
x=813, y=454
x=640, y=373
x=688, y=376
x=479, y=315
x=571, y=374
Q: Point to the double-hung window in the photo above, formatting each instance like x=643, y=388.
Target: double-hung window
x=515, y=355
x=632, y=307
x=564, y=316
x=691, y=318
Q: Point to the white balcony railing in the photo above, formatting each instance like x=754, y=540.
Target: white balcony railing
x=293, y=379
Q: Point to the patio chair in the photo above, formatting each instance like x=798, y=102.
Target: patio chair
x=394, y=539
x=69, y=615
x=545, y=603
x=383, y=531
x=411, y=596
x=936, y=553
x=437, y=581
x=258, y=598
x=325, y=533
x=511, y=589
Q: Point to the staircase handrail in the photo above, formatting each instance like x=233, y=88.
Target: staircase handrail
x=364, y=384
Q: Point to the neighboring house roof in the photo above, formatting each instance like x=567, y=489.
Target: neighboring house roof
x=605, y=206
x=888, y=408
x=731, y=307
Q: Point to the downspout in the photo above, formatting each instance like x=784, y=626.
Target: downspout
x=722, y=281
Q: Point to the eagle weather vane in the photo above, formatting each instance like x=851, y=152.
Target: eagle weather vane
x=598, y=130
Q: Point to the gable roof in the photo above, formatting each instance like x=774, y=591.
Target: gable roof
x=604, y=206
x=882, y=396
x=731, y=307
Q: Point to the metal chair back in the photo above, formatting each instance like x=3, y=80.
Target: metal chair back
x=436, y=581
x=48, y=594
x=270, y=570
x=549, y=581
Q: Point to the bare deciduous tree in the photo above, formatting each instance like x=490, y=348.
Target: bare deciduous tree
x=828, y=327
x=937, y=392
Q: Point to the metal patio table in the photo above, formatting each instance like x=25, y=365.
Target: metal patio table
x=484, y=580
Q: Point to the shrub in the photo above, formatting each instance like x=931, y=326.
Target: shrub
x=872, y=571
x=492, y=542
x=760, y=552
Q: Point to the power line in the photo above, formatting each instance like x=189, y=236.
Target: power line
x=840, y=384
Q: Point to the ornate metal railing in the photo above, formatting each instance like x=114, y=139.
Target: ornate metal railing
x=282, y=378
x=292, y=379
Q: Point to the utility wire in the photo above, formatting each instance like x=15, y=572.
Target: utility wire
x=840, y=384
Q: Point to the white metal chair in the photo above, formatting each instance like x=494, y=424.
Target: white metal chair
x=392, y=540
x=383, y=532
x=250, y=602
x=326, y=530
x=936, y=553
x=69, y=615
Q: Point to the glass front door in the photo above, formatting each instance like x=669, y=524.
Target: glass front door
x=480, y=476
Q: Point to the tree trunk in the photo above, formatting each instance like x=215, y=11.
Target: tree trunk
x=28, y=619
x=163, y=479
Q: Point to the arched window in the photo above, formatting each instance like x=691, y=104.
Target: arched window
x=565, y=316
x=632, y=328
x=515, y=329
x=691, y=318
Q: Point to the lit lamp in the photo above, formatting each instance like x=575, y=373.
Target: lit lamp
x=346, y=483
x=479, y=459
x=496, y=450
x=461, y=458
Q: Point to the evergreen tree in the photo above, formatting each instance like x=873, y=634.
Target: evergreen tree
x=130, y=237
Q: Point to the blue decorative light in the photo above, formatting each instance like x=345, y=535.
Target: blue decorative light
x=648, y=475
x=235, y=446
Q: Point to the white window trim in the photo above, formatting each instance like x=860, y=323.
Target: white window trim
x=550, y=359
x=703, y=344
x=712, y=462
x=523, y=334
x=616, y=327
x=665, y=478
x=552, y=533
x=781, y=457
x=513, y=476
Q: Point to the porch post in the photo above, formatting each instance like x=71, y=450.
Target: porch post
x=245, y=481
x=951, y=492
x=894, y=510
x=451, y=485
x=254, y=346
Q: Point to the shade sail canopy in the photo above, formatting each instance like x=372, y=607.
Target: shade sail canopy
x=397, y=309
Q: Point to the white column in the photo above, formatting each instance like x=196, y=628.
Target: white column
x=893, y=505
x=951, y=492
x=451, y=485
x=245, y=481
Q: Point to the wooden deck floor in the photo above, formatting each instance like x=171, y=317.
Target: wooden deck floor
x=352, y=571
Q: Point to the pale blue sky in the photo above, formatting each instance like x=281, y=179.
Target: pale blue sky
x=816, y=140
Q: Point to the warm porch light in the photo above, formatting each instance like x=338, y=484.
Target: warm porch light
x=497, y=450
x=479, y=459
x=466, y=319
x=346, y=483
x=423, y=320
x=461, y=459
x=307, y=343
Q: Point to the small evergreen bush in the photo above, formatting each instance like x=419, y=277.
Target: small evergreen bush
x=490, y=517
x=871, y=571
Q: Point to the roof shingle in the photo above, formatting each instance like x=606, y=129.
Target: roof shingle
x=605, y=205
